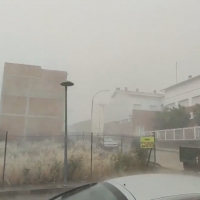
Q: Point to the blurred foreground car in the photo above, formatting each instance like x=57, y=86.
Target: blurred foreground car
x=138, y=187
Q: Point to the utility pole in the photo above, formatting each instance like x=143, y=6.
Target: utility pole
x=176, y=72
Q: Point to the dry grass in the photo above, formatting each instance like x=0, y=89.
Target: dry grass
x=42, y=162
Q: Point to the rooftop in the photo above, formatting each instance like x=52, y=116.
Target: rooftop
x=137, y=93
x=182, y=82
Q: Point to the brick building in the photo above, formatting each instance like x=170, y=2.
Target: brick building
x=32, y=100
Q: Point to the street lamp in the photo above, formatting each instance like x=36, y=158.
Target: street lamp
x=66, y=84
x=91, y=127
x=93, y=103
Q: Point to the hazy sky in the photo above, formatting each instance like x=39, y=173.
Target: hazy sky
x=103, y=44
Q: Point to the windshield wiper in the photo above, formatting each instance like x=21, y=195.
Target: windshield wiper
x=75, y=190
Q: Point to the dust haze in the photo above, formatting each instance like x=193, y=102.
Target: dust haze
x=103, y=44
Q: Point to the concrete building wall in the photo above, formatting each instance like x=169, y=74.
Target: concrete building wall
x=187, y=91
x=123, y=103
x=32, y=100
x=143, y=120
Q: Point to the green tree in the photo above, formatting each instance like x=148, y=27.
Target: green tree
x=171, y=118
x=196, y=113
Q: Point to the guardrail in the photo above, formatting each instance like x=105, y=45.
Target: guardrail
x=190, y=133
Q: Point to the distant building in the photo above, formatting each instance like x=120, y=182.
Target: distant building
x=143, y=120
x=125, y=101
x=97, y=125
x=80, y=127
x=126, y=112
x=32, y=100
x=132, y=112
x=185, y=93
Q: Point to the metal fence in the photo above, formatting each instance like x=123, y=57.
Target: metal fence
x=33, y=159
x=190, y=133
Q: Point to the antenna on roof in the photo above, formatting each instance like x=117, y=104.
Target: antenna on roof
x=176, y=72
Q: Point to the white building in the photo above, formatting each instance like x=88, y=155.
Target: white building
x=124, y=101
x=186, y=93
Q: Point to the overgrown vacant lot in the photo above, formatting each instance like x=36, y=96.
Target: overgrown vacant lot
x=42, y=162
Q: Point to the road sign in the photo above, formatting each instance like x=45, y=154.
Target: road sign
x=147, y=142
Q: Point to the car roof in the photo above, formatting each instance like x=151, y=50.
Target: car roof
x=154, y=186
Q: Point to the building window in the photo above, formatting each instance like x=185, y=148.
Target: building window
x=171, y=105
x=139, y=131
x=196, y=100
x=137, y=106
x=191, y=115
x=184, y=102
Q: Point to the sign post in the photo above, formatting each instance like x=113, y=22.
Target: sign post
x=148, y=143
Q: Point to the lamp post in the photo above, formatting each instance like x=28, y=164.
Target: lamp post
x=66, y=84
x=91, y=127
x=93, y=104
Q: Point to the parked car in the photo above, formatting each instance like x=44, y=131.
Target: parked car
x=107, y=142
x=138, y=187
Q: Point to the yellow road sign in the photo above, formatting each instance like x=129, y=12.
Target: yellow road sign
x=147, y=142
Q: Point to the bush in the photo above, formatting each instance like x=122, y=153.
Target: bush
x=141, y=154
x=42, y=162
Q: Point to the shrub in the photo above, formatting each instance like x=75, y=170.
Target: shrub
x=42, y=162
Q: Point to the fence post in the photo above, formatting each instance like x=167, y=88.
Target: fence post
x=4, y=162
x=121, y=144
x=83, y=136
x=195, y=134
x=165, y=134
x=91, y=152
x=183, y=134
x=103, y=142
x=154, y=135
x=174, y=134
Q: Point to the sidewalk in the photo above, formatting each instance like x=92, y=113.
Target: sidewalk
x=38, y=189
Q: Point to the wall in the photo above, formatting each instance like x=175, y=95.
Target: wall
x=32, y=100
x=118, y=128
x=143, y=120
x=122, y=105
x=174, y=145
x=184, y=91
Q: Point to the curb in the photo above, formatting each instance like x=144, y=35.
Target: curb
x=42, y=191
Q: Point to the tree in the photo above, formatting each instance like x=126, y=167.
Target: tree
x=196, y=113
x=171, y=118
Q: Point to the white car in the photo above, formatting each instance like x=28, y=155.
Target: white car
x=109, y=143
x=138, y=187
